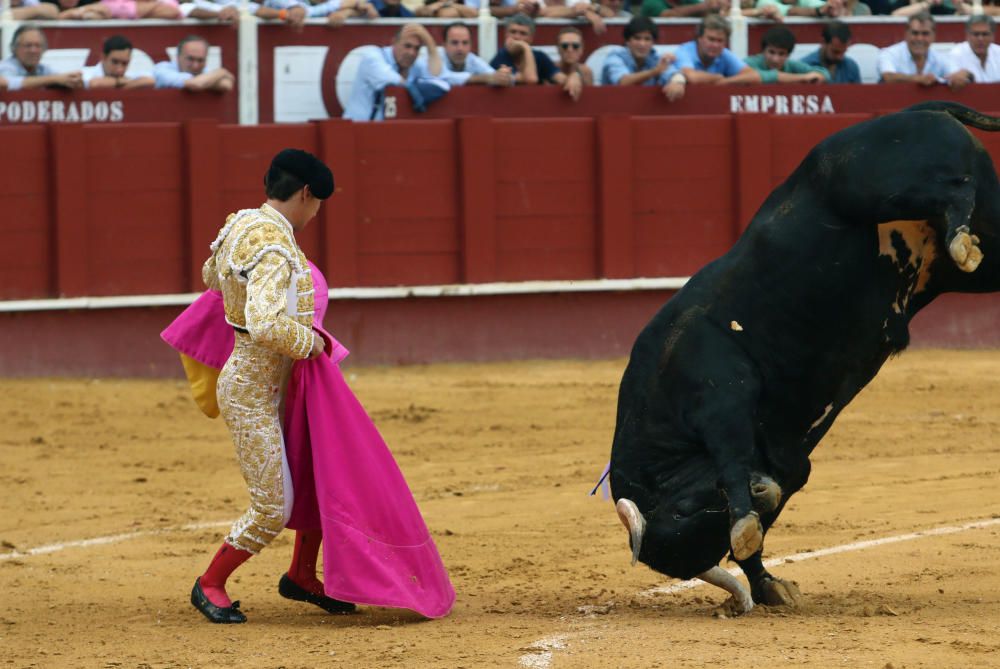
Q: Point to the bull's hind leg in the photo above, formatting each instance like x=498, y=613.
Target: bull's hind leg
x=741, y=601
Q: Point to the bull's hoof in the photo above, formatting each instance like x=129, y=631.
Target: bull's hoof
x=732, y=607
x=772, y=591
x=965, y=251
x=766, y=493
x=634, y=522
x=746, y=536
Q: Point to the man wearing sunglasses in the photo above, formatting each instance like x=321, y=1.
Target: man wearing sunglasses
x=977, y=59
x=570, y=43
x=531, y=66
x=638, y=63
x=913, y=60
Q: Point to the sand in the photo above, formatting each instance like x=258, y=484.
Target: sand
x=500, y=458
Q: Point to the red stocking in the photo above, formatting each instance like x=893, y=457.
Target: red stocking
x=213, y=581
x=303, y=568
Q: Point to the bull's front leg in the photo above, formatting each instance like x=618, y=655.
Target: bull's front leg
x=730, y=442
x=963, y=244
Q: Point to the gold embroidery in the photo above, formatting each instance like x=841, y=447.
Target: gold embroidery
x=254, y=264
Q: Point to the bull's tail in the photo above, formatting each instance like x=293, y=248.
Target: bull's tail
x=963, y=114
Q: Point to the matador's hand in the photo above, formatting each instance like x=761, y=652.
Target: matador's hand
x=318, y=345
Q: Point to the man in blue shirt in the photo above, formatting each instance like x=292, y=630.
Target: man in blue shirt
x=706, y=60
x=833, y=55
x=392, y=9
x=25, y=70
x=461, y=66
x=638, y=64
x=189, y=70
x=531, y=66
x=395, y=65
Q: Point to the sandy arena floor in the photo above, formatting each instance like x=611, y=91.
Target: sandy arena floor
x=500, y=458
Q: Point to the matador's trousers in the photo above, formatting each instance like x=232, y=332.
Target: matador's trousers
x=251, y=392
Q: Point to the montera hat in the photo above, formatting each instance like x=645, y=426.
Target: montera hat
x=307, y=168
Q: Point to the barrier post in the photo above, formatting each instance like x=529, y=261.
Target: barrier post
x=739, y=40
x=7, y=27
x=248, y=78
x=487, y=32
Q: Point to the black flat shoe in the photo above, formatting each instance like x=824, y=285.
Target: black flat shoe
x=289, y=589
x=216, y=614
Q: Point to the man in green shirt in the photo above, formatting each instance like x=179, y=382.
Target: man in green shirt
x=681, y=8
x=775, y=66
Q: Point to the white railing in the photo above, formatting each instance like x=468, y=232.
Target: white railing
x=373, y=293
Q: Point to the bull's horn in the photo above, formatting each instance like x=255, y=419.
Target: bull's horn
x=633, y=521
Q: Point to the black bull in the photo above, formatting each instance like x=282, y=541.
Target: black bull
x=739, y=376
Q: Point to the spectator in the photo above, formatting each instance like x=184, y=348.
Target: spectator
x=25, y=70
x=392, y=9
x=338, y=11
x=447, y=9
x=110, y=72
x=774, y=65
x=832, y=54
x=809, y=8
x=394, y=65
x=934, y=7
x=913, y=60
x=569, y=41
x=124, y=9
x=694, y=8
x=189, y=70
x=507, y=8
x=531, y=66
x=638, y=64
x=290, y=12
x=615, y=9
x=976, y=60
x=681, y=8
x=33, y=10
x=594, y=14
x=461, y=66
x=706, y=60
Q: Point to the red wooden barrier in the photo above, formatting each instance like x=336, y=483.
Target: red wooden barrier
x=120, y=210
x=783, y=100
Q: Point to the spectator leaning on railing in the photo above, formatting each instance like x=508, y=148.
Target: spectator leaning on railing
x=913, y=60
x=110, y=72
x=124, y=9
x=292, y=12
x=33, y=10
x=832, y=54
x=396, y=65
x=569, y=42
x=25, y=70
x=977, y=59
x=706, y=60
x=189, y=70
x=774, y=65
x=461, y=67
x=638, y=64
x=531, y=66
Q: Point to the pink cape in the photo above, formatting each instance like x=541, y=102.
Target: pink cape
x=376, y=547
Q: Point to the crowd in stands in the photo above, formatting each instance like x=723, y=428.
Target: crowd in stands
x=704, y=60
x=594, y=12
x=24, y=70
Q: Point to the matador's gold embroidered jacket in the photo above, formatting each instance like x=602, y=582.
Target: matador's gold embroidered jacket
x=266, y=284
